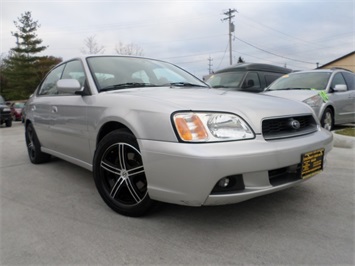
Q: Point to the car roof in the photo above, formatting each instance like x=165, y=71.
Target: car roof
x=255, y=67
x=327, y=70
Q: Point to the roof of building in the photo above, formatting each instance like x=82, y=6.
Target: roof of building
x=335, y=60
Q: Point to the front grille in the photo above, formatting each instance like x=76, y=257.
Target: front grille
x=287, y=127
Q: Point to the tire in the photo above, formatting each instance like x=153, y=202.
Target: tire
x=119, y=174
x=34, y=147
x=327, y=120
x=8, y=123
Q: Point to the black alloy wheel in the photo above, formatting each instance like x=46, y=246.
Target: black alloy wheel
x=119, y=174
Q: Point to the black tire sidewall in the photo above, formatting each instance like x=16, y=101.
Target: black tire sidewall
x=39, y=157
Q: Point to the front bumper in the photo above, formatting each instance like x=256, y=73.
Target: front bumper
x=185, y=173
x=5, y=117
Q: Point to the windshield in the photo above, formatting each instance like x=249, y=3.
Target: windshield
x=115, y=72
x=309, y=80
x=226, y=80
x=19, y=105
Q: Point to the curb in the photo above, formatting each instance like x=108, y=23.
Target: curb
x=342, y=141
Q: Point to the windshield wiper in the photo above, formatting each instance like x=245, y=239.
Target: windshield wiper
x=220, y=86
x=184, y=84
x=127, y=85
x=287, y=89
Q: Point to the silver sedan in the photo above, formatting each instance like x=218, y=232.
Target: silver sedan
x=151, y=131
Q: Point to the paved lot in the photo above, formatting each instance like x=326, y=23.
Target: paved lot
x=52, y=214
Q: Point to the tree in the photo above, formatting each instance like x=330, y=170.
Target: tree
x=45, y=63
x=21, y=67
x=3, y=81
x=129, y=49
x=92, y=47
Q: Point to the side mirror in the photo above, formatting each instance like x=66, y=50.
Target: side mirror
x=340, y=88
x=70, y=86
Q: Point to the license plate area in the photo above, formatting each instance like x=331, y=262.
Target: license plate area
x=312, y=163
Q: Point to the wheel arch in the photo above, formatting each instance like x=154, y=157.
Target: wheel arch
x=332, y=109
x=325, y=107
x=109, y=127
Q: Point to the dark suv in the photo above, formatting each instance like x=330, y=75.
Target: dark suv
x=5, y=113
x=249, y=77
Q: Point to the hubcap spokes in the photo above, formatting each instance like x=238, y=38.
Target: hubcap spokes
x=123, y=174
x=328, y=121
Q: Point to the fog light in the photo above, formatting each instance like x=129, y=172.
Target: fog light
x=224, y=182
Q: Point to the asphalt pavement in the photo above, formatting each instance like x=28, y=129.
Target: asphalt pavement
x=51, y=214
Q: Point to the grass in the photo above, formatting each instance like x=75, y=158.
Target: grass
x=350, y=131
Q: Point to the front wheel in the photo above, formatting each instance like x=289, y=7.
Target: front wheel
x=327, y=120
x=119, y=174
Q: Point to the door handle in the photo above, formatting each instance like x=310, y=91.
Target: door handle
x=33, y=108
x=54, y=109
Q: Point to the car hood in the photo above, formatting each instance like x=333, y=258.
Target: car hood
x=298, y=95
x=251, y=107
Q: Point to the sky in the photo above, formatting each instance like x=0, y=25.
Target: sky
x=193, y=34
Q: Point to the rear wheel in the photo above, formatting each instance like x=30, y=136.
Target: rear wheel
x=34, y=147
x=327, y=120
x=119, y=174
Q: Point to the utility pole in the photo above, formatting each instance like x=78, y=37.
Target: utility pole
x=229, y=17
x=210, y=65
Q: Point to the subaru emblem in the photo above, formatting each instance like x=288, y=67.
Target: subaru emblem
x=295, y=124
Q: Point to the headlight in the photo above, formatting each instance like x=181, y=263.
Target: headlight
x=211, y=127
x=6, y=109
x=314, y=101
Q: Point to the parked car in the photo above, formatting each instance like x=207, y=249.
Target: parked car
x=249, y=77
x=5, y=113
x=330, y=92
x=16, y=110
x=151, y=131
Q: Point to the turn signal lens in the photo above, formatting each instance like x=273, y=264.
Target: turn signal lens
x=190, y=127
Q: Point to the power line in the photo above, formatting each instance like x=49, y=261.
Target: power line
x=292, y=59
